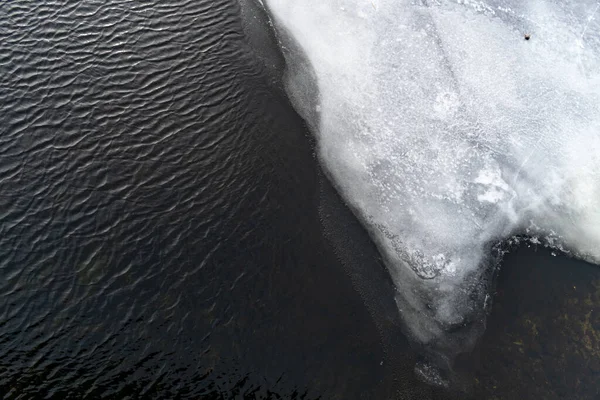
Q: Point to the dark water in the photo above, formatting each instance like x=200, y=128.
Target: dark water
x=166, y=232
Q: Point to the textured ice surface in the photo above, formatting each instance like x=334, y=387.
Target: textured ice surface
x=446, y=131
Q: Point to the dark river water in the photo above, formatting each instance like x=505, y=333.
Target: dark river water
x=166, y=231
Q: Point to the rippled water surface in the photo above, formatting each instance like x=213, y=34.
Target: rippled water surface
x=156, y=203
x=165, y=231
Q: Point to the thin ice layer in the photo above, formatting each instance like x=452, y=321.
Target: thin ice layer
x=446, y=130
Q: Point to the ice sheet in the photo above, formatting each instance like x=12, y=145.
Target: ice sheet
x=446, y=132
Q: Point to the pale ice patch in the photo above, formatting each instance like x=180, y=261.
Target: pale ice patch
x=495, y=189
x=447, y=132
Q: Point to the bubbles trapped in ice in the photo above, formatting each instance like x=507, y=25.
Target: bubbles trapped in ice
x=430, y=374
x=446, y=132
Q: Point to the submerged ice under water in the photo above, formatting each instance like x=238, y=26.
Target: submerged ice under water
x=446, y=131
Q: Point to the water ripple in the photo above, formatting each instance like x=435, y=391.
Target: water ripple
x=132, y=173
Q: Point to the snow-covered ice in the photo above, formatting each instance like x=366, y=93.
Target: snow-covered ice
x=446, y=132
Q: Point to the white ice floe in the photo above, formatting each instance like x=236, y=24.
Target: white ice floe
x=447, y=131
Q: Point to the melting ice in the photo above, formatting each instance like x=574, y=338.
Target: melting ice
x=446, y=131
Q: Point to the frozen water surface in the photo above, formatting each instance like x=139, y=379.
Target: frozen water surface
x=446, y=131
